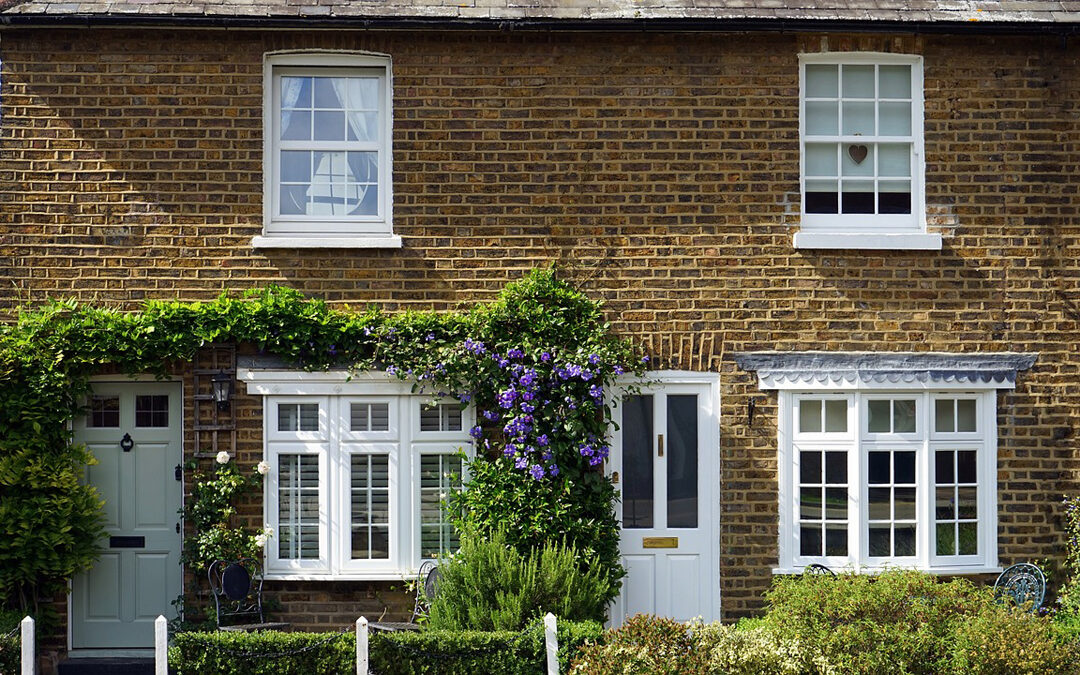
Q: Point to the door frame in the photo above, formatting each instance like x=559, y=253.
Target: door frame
x=657, y=380
x=104, y=652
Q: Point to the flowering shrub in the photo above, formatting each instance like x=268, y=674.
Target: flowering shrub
x=1069, y=593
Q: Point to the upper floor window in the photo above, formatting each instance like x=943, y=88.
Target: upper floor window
x=861, y=134
x=327, y=171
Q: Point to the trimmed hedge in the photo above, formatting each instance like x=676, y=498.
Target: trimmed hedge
x=429, y=652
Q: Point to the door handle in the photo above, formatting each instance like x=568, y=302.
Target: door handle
x=660, y=445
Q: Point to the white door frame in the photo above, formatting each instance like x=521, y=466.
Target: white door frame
x=127, y=379
x=708, y=459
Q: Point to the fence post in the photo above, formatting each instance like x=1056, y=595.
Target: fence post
x=551, y=639
x=28, y=652
x=161, y=646
x=361, y=646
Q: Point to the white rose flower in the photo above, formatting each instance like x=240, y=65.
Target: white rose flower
x=260, y=540
x=268, y=531
x=263, y=467
x=223, y=457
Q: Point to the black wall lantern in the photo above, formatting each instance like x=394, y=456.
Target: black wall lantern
x=222, y=384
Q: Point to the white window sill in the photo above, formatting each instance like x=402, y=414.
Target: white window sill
x=384, y=241
x=953, y=570
x=352, y=576
x=892, y=241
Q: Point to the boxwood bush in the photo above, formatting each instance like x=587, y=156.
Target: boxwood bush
x=429, y=652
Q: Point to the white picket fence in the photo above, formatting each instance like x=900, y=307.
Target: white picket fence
x=161, y=645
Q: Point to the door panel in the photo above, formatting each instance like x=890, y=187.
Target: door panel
x=664, y=464
x=114, y=604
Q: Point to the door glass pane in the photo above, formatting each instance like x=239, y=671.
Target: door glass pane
x=682, y=461
x=637, y=429
x=104, y=412
x=152, y=411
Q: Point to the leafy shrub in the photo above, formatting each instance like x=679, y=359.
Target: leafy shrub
x=644, y=644
x=489, y=585
x=744, y=650
x=429, y=652
x=1000, y=641
x=10, y=645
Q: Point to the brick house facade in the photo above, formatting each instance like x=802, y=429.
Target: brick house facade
x=660, y=167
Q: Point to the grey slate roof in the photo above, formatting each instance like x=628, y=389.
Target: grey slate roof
x=589, y=11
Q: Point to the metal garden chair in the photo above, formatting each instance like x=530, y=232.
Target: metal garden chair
x=816, y=570
x=427, y=584
x=237, y=589
x=1021, y=585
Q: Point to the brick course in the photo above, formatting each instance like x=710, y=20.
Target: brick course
x=661, y=171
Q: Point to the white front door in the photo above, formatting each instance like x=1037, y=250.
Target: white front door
x=664, y=458
x=134, y=430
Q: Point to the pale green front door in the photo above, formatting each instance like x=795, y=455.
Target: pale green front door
x=134, y=430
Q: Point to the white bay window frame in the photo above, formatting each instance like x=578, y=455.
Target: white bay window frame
x=865, y=230
x=325, y=231
x=335, y=444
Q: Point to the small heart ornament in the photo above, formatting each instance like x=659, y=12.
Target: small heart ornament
x=857, y=153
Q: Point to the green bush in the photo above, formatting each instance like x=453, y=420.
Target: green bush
x=644, y=644
x=10, y=645
x=489, y=585
x=745, y=650
x=429, y=652
x=1001, y=641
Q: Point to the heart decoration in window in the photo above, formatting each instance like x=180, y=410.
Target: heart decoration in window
x=857, y=153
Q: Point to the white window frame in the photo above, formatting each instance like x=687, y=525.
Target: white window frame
x=323, y=231
x=857, y=442
x=335, y=443
x=868, y=231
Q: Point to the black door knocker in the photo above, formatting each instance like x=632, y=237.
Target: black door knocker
x=126, y=444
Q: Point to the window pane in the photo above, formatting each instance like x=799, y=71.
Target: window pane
x=329, y=125
x=894, y=159
x=822, y=196
x=904, y=540
x=294, y=200
x=298, y=417
x=836, y=416
x=944, y=420
x=836, y=503
x=904, y=467
x=878, y=414
x=296, y=92
x=858, y=81
x=104, y=412
x=296, y=125
x=682, y=461
x=370, y=506
x=836, y=540
x=809, y=416
x=943, y=466
x=945, y=505
x=969, y=538
x=441, y=417
x=295, y=166
x=858, y=118
x=857, y=197
x=904, y=416
x=326, y=89
x=821, y=159
x=810, y=467
x=879, y=541
x=822, y=118
x=298, y=507
x=904, y=505
x=946, y=539
x=967, y=502
x=362, y=126
x=895, y=119
x=440, y=475
x=894, y=81
x=810, y=540
x=152, y=411
x=965, y=464
x=369, y=417
x=965, y=415
x=894, y=196
x=363, y=93
x=836, y=467
x=858, y=160
x=810, y=503
x=822, y=81
x=878, y=466
x=880, y=504
x=637, y=428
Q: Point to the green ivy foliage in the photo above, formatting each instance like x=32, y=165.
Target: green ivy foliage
x=52, y=526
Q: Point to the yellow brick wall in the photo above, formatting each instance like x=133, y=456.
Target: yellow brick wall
x=660, y=170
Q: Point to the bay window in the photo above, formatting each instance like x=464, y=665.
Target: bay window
x=359, y=474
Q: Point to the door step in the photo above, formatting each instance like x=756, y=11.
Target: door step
x=111, y=666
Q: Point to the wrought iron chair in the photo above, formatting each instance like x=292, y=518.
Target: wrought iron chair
x=237, y=589
x=1021, y=585
x=816, y=570
x=427, y=580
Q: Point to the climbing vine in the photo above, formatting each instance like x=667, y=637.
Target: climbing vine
x=537, y=364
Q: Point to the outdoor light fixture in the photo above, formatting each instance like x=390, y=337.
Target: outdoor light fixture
x=222, y=384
